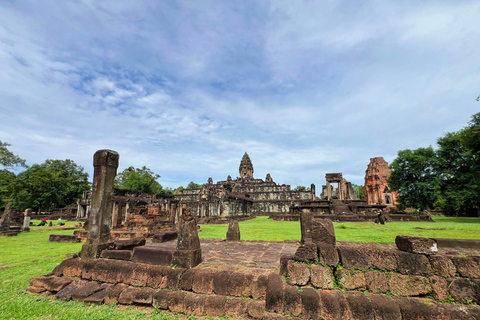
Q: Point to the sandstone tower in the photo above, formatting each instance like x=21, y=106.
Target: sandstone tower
x=246, y=167
x=376, y=188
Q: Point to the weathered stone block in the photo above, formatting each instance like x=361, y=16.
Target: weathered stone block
x=195, y=304
x=221, y=282
x=323, y=231
x=37, y=289
x=156, y=276
x=215, y=305
x=236, y=307
x=186, y=280
x=275, y=294
x=69, y=268
x=321, y=277
x=173, y=277
x=67, y=292
x=259, y=287
x=354, y=258
x=408, y=285
x=439, y=288
x=176, y=301
x=411, y=263
x=465, y=290
x=467, y=267
x=203, y=281
x=351, y=279
x=120, y=271
x=117, y=254
x=164, y=236
x=442, y=266
x=85, y=289
x=160, y=299
x=416, y=308
x=63, y=238
x=306, y=252
x=153, y=255
x=384, y=308
x=140, y=275
x=256, y=308
x=240, y=284
x=233, y=233
x=359, y=305
x=310, y=303
x=51, y=283
x=284, y=257
x=333, y=305
x=293, y=301
x=328, y=254
x=298, y=273
x=129, y=244
x=376, y=281
x=187, y=258
x=112, y=293
x=383, y=259
x=416, y=245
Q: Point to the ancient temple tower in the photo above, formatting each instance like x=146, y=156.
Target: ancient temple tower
x=246, y=167
x=376, y=188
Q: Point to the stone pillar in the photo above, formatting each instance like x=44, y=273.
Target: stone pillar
x=188, y=253
x=312, y=189
x=340, y=191
x=233, y=233
x=105, y=163
x=26, y=220
x=329, y=191
x=306, y=217
x=5, y=220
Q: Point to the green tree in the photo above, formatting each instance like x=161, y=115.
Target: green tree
x=193, y=185
x=361, y=196
x=139, y=179
x=75, y=175
x=8, y=160
x=39, y=189
x=6, y=184
x=54, y=183
x=414, y=176
x=301, y=188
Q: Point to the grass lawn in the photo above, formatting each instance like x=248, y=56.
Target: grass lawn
x=30, y=254
x=262, y=228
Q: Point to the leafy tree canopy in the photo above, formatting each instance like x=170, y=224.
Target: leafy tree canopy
x=446, y=179
x=8, y=160
x=54, y=183
x=139, y=179
x=6, y=181
x=193, y=185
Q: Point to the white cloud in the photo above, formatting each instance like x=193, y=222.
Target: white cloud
x=185, y=88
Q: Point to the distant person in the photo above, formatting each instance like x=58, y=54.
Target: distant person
x=379, y=219
x=60, y=222
x=42, y=223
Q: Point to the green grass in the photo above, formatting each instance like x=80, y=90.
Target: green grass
x=262, y=228
x=30, y=254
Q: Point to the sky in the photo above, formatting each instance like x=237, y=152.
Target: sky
x=185, y=88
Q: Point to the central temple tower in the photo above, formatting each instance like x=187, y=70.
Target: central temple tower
x=246, y=167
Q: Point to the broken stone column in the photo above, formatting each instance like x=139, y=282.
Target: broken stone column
x=5, y=220
x=26, y=220
x=105, y=163
x=416, y=245
x=188, y=253
x=233, y=233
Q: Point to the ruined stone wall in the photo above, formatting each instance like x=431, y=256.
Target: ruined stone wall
x=281, y=195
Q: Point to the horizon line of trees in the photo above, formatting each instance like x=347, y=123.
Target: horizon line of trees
x=446, y=178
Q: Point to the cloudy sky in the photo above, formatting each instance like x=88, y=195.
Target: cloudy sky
x=186, y=87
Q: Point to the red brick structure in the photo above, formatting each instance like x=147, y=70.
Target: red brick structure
x=376, y=188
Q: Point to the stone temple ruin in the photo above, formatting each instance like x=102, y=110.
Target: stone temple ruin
x=316, y=279
x=376, y=189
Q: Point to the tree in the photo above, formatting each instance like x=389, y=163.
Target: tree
x=54, y=183
x=301, y=188
x=193, y=185
x=359, y=189
x=38, y=188
x=139, y=179
x=414, y=176
x=6, y=183
x=8, y=160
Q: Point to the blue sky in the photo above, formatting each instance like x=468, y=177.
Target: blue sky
x=186, y=87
